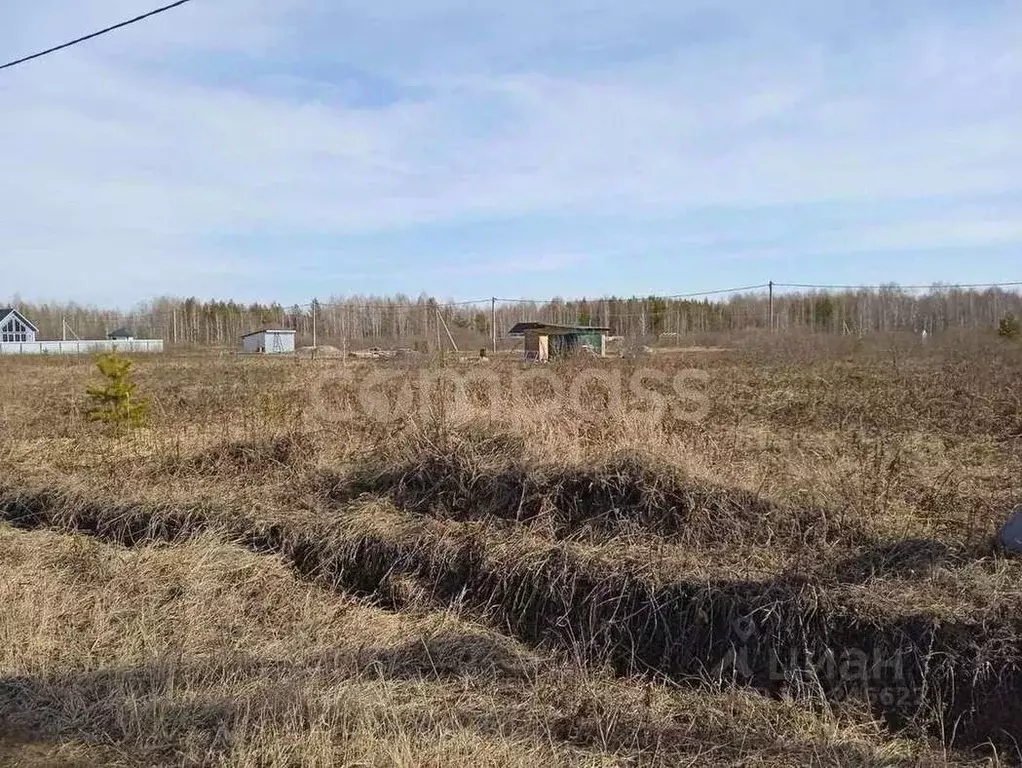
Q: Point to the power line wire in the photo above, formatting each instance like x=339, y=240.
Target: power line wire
x=602, y=302
x=599, y=301
x=642, y=298
x=82, y=39
x=718, y=291
x=385, y=304
x=895, y=286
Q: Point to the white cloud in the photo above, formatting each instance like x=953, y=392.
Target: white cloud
x=954, y=232
x=115, y=155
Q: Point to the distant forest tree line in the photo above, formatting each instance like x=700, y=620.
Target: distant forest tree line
x=422, y=323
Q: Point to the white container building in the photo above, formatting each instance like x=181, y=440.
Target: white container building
x=269, y=341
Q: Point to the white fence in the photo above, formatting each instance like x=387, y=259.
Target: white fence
x=80, y=347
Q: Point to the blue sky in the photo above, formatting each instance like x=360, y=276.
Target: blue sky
x=285, y=149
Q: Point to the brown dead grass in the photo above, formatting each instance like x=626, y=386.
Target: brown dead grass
x=513, y=584
x=203, y=653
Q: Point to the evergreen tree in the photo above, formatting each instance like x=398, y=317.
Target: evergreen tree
x=114, y=402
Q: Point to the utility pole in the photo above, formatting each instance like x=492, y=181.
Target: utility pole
x=175, y=325
x=313, y=326
x=771, y=306
x=69, y=328
x=454, y=345
x=439, y=346
x=63, y=328
x=493, y=323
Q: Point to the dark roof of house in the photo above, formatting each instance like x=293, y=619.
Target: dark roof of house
x=119, y=333
x=268, y=330
x=553, y=328
x=7, y=310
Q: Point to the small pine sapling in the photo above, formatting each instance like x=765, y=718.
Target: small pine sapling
x=114, y=402
x=1010, y=327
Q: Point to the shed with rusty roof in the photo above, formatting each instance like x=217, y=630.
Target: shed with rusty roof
x=546, y=340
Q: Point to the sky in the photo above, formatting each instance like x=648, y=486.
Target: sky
x=291, y=149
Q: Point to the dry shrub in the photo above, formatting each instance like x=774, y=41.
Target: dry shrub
x=291, y=452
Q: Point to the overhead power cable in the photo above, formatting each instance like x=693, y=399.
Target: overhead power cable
x=598, y=301
x=90, y=36
x=718, y=291
x=640, y=298
x=895, y=286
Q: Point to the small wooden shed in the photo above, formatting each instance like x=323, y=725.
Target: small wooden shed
x=546, y=340
x=269, y=341
x=121, y=334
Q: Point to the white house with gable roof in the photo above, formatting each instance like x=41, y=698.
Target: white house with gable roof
x=15, y=327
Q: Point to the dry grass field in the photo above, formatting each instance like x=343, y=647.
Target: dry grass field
x=267, y=574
